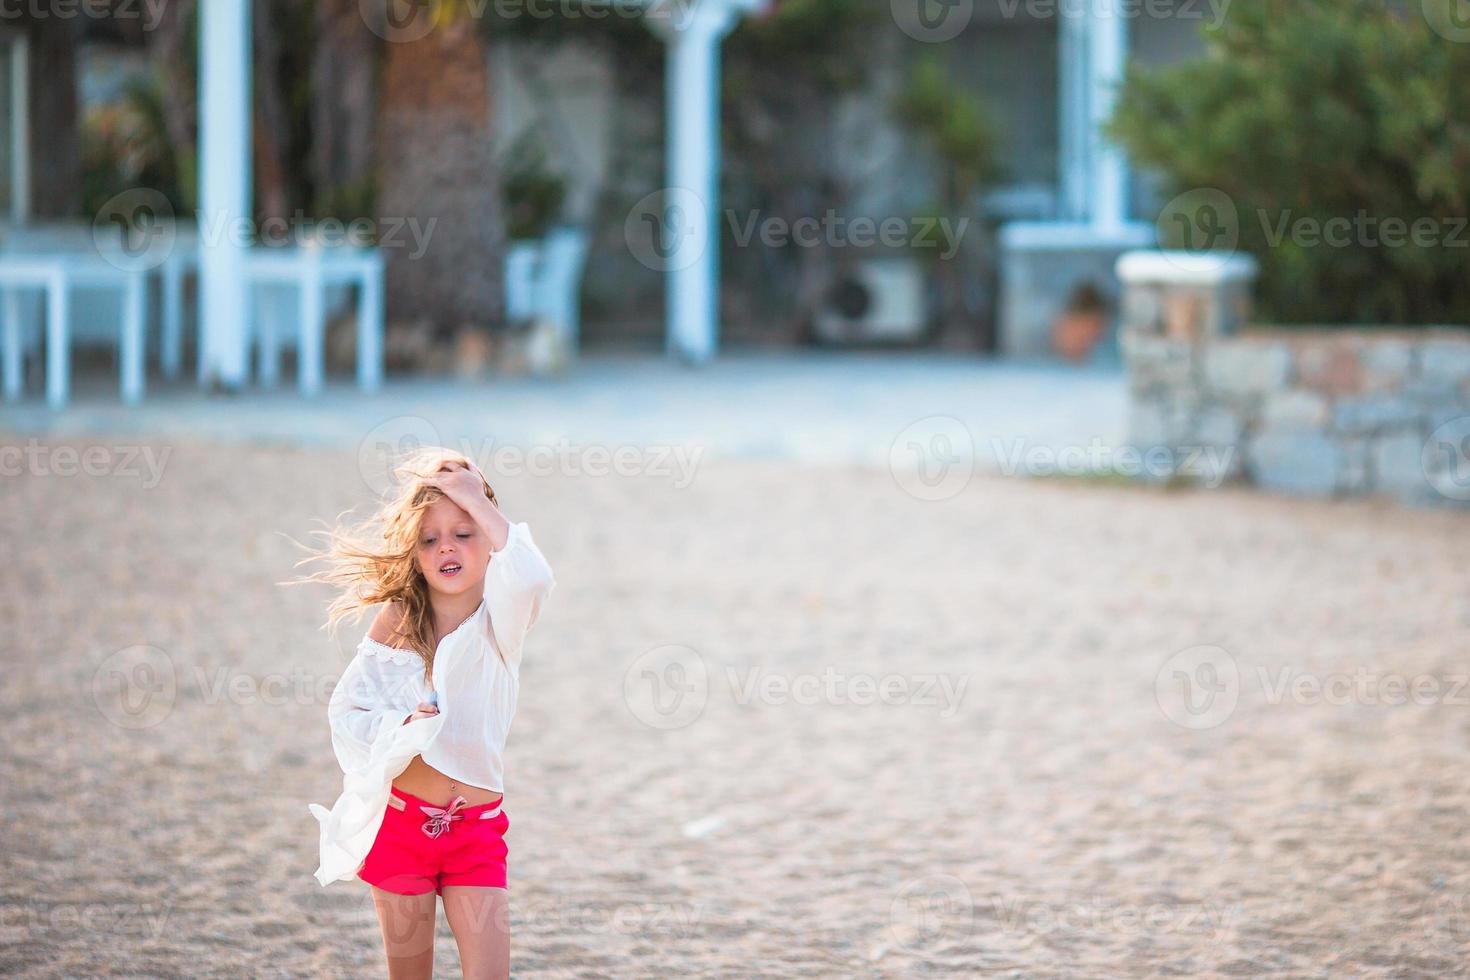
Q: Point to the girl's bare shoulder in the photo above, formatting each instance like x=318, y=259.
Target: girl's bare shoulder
x=386, y=624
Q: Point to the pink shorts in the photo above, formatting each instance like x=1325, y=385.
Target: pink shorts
x=421, y=848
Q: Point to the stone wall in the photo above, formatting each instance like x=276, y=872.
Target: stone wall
x=1323, y=412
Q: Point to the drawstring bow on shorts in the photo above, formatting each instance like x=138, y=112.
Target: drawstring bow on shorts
x=440, y=817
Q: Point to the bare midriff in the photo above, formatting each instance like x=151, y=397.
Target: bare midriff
x=427, y=783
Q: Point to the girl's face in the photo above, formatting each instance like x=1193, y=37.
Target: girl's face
x=452, y=551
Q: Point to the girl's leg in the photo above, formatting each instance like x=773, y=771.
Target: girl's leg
x=480, y=918
x=408, y=933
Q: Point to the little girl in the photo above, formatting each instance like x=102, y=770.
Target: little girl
x=419, y=718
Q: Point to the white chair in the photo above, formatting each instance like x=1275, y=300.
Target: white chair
x=563, y=258
x=543, y=280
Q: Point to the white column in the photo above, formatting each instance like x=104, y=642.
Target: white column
x=224, y=187
x=693, y=31
x=1106, y=57
x=1073, y=122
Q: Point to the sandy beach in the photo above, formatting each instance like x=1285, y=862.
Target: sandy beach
x=785, y=721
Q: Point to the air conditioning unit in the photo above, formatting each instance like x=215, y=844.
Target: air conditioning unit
x=875, y=301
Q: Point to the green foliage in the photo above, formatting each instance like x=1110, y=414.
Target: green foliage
x=956, y=124
x=1315, y=110
x=813, y=38
x=811, y=42
x=295, y=29
x=533, y=196
x=126, y=146
x=348, y=201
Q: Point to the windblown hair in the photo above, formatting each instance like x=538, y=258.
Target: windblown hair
x=373, y=562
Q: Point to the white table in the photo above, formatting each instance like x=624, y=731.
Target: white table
x=53, y=271
x=54, y=275
x=310, y=269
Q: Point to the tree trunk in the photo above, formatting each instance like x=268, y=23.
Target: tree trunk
x=172, y=47
x=56, y=134
x=343, y=107
x=271, y=128
x=436, y=169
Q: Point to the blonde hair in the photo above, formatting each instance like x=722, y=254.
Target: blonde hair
x=373, y=562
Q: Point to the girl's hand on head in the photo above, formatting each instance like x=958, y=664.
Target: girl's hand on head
x=464, y=485
x=424, y=710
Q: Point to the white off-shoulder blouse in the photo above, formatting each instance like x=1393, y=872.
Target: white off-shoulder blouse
x=477, y=671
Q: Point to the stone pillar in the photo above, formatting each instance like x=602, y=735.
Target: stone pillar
x=1176, y=308
x=1183, y=295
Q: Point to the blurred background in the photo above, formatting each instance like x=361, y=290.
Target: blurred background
x=1090, y=377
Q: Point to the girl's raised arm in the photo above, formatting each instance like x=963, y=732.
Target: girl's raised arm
x=518, y=578
x=465, y=485
x=516, y=584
